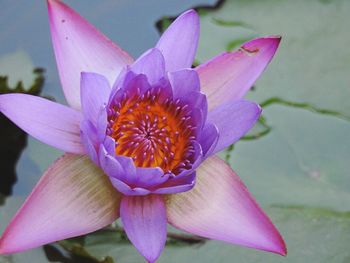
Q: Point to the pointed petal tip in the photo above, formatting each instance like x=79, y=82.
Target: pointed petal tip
x=6, y=249
x=283, y=251
x=153, y=50
x=51, y=3
x=259, y=112
x=263, y=43
x=230, y=75
x=3, y=249
x=97, y=53
x=274, y=241
x=190, y=12
x=179, y=41
x=274, y=39
x=152, y=260
x=231, y=202
x=83, y=198
x=144, y=220
x=258, y=108
x=276, y=245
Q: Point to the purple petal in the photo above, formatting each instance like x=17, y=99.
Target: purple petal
x=47, y=121
x=197, y=100
x=109, y=144
x=123, y=169
x=220, y=207
x=80, y=47
x=95, y=91
x=135, y=86
x=198, y=155
x=123, y=78
x=72, y=198
x=122, y=173
x=102, y=122
x=120, y=167
x=198, y=103
x=229, y=76
x=179, y=42
x=127, y=190
x=233, y=120
x=90, y=149
x=144, y=220
x=184, y=82
x=178, y=184
x=89, y=140
x=166, y=89
x=151, y=64
x=149, y=177
x=209, y=139
x=89, y=130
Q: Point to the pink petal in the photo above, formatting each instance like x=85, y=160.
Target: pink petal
x=220, y=207
x=233, y=120
x=229, y=76
x=144, y=219
x=179, y=42
x=72, y=198
x=47, y=121
x=81, y=47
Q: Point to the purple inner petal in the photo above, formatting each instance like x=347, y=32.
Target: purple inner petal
x=144, y=220
x=145, y=136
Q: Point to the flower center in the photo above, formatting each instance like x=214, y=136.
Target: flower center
x=153, y=130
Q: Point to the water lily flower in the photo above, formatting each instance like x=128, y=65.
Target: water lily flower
x=140, y=139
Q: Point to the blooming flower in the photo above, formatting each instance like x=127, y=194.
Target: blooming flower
x=141, y=138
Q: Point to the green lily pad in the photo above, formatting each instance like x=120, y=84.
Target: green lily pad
x=304, y=160
x=298, y=154
x=312, y=63
x=13, y=140
x=306, y=231
x=302, y=154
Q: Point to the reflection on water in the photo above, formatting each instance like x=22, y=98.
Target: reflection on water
x=13, y=140
x=19, y=67
x=56, y=254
